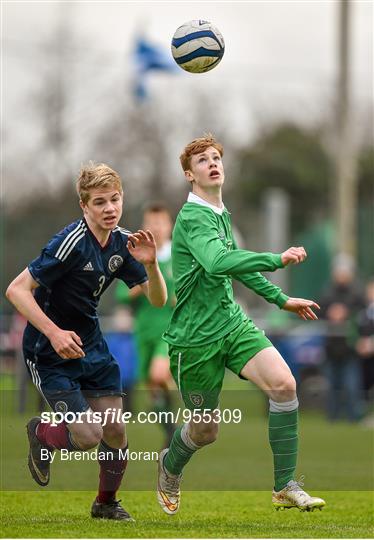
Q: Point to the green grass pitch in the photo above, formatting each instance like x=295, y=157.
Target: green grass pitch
x=202, y=515
x=234, y=476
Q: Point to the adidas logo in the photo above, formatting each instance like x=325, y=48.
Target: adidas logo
x=88, y=267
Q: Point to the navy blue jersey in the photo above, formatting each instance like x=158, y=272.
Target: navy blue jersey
x=73, y=271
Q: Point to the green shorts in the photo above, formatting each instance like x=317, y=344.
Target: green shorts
x=147, y=351
x=199, y=371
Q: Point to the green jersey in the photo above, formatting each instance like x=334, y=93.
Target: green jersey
x=150, y=322
x=205, y=258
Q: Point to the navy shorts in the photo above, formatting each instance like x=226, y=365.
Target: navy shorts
x=65, y=384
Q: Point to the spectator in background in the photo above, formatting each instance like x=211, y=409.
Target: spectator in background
x=365, y=343
x=340, y=306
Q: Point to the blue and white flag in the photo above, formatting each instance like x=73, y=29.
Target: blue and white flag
x=149, y=57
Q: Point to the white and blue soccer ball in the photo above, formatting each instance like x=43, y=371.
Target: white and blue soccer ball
x=197, y=46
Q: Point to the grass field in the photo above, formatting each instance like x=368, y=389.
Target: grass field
x=202, y=515
x=336, y=458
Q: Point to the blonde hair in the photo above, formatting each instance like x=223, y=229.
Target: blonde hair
x=196, y=147
x=96, y=175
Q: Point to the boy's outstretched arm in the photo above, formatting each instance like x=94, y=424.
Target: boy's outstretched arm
x=274, y=295
x=264, y=288
x=203, y=240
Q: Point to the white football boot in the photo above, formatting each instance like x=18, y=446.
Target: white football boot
x=292, y=496
x=168, y=487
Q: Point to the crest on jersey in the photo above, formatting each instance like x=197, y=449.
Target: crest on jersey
x=196, y=399
x=61, y=406
x=115, y=262
x=221, y=235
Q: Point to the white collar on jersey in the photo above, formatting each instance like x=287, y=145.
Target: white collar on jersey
x=164, y=253
x=192, y=197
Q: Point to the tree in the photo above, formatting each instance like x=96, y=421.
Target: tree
x=291, y=158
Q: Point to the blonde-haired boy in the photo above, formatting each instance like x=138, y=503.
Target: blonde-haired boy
x=65, y=352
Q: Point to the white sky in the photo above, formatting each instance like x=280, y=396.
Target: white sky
x=280, y=57
x=263, y=34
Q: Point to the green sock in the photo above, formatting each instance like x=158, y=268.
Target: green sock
x=179, y=452
x=283, y=439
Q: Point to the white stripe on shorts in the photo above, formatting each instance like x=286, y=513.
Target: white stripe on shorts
x=36, y=378
x=179, y=371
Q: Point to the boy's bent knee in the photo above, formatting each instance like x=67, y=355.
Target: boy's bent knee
x=203, y=434
x=88, y=436
x=114, y=431
x=115, y=435
x=284, y=388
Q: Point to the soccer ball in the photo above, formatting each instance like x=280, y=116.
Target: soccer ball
x=197, y=46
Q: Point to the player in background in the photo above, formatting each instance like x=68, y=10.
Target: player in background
x=150, y=322
x=63, y=346
x=209, y=332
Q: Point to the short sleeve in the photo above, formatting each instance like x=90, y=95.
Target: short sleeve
x=132, y=272
x=49, y=267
